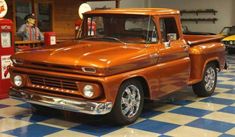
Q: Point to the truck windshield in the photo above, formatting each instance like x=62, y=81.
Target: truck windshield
x=119, y=28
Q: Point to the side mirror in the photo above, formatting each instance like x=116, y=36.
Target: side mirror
x=171, y=37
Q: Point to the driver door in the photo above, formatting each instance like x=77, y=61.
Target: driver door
x=173, y=57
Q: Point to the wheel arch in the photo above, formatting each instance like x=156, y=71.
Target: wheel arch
x=212, y=61
x=200, y=87
x=200, y=73
x=116, y=113
x=144, y=84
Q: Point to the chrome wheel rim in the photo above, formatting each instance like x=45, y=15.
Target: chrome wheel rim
x=130, y=102
x=210, y=79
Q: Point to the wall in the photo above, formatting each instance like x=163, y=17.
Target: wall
x=65, y=14
x=233, y=11
x=123, y=4
x=224, y=7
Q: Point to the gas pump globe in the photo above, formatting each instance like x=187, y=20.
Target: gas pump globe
x=3, y=8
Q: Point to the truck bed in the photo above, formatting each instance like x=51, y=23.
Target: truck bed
x=199, y=39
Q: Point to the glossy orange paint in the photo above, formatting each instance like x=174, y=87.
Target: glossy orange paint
x=161, y=69
x=204, y=49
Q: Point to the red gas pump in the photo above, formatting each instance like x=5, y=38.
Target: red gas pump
x=50, y=38
x=6, y=50
x=91, y=27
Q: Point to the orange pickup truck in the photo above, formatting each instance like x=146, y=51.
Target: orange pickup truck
x=122, y=56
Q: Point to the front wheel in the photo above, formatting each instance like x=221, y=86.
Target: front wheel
x=207, y=86
x=129, y=103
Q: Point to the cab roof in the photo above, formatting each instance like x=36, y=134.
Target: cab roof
x=136, y=11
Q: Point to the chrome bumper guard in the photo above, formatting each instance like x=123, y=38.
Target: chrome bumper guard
x=86, y=107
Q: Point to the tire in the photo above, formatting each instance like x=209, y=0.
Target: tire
x=207, y=86
x=129, y=103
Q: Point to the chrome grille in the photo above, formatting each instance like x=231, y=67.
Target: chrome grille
x=51, y=82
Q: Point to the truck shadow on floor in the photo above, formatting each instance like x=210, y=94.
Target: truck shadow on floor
x=151, y=108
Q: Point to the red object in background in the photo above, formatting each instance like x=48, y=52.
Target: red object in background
x=91, y=28
x=78, y=24
x=6, y=50
x=50, y=38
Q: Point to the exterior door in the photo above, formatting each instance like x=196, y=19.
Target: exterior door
x=173, y=59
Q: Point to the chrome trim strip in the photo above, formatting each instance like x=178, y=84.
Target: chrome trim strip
x=93, y=108
x=230, y=46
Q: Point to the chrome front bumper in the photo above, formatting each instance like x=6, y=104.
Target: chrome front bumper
x=86, y=107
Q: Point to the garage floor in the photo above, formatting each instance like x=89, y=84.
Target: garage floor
x=183, y=115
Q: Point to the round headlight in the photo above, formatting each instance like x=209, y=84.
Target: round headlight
x=88, y=91
x=18, y=80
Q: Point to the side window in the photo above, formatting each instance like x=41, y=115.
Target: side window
x=169, y=30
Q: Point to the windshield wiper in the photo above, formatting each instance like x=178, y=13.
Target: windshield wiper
x=117, y=39
x=88, y=38
x=110, y=38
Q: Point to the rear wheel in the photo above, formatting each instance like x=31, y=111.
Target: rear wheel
x=207, y=86
x=129, y=103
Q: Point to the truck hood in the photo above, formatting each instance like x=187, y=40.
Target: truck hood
x=107, y=57
x=229, y=38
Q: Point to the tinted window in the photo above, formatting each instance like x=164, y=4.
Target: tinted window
x=168, y=27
